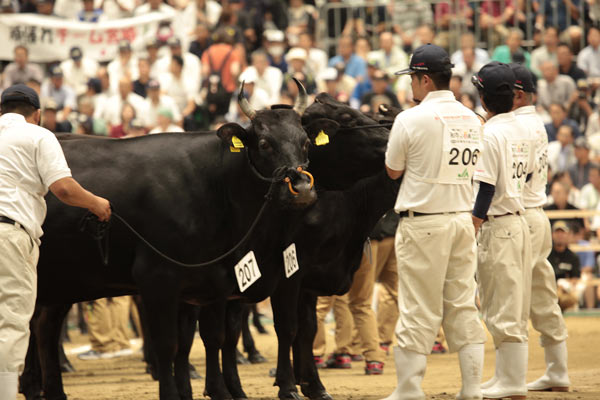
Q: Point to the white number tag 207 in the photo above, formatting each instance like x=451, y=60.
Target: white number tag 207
x=246, y=271
x=290, y=260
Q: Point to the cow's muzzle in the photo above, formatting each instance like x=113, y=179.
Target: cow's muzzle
x=301, y=171
x=300, y=184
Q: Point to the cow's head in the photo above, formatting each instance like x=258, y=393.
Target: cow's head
x=354, y=154
x=277, y=147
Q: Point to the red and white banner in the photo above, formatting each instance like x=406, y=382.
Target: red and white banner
x=50, y=38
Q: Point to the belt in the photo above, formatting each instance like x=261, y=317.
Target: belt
x=7, y=220
x=409, y=213
x=492, y=217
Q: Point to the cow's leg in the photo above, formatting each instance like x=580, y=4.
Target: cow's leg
x=305, y=368
x=47, y=329
x=161, y=306
x=235, y=312
x=285, y=302
x=212, y=330
x=188, y=316
x=148, y=347
x=256, y=320
x=30, y=382
x=254, y=355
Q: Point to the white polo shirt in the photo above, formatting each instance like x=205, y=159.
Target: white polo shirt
x=437, y=145
x=508, y=158
x=31, y=160
x=534, y=193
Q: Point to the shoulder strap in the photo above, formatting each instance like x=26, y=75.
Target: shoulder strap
x=225, y=60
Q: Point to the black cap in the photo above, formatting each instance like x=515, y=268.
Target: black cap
x=174, y=41
x=524, y=78
x=51, y=104
x=95, y=84
x=21, y=92
x=124, y=45
x=56, y=71
x=495, y=78
x=75, y=53
x=428, y=58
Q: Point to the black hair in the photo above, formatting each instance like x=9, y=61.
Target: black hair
x=498, y=103
x=18, y=107
x=441, y=80
x=177, y=59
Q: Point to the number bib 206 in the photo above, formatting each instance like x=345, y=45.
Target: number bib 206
x=246, y=271
x=518, y=152
x=461, y=150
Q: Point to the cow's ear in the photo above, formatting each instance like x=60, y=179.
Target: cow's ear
x=321, y=131
x=233, y=135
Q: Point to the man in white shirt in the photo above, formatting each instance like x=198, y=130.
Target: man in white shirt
x=545, y=313
x=267, y=78
x=110, y=110
x=390, y=58
x=547, y=52
x=174, y=85
x=589, y=58
x=561, y=152
x=156, y=101
x=504, y=247
x=125, y=64
x=435, y=146
x=31, y=162
x=554, y=88
x=62, y=94
x=192, y=73
x=78, y=70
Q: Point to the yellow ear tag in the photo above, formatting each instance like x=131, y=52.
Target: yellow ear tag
x=233, y=149
x=237, y=143
x=321, y=139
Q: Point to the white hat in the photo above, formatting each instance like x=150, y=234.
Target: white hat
x=296, y=53
x=249, y=75
x=329, y=74
x=274, y=35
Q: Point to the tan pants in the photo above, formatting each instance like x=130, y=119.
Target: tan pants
x=343, y=324
x=504, y=277
x=108, y=324
x=386, y=271
x=436, y=269
x=18, y=289
x=545, y=313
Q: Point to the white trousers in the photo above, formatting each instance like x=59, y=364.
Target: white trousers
x=18, y=289
x=545, y=313
x=436, y=272
x=504, y=277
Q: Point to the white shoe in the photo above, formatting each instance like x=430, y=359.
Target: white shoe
x=122, y=353
x=410, y=369
x=470, y=358
x=556, y=378
x=510, y=371
x=8, y=385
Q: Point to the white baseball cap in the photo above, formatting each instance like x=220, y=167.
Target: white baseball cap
x=296, y=53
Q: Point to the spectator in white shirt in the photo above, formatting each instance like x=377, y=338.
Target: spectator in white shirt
x=116, y=9
x=266, y=77
x=467, y=40
x=390, y=58
x=174, y=85
x=125, y=65
x=21, y=70
x=468, y=67
x=561, y=153
x=554, y=88
x=257, y=97
x=153, y=6
x=111, y=109
x=199, y=12
x=317, y=59
x=192, y=73
x=165, y=122
x=157, y=100
x=78, y=70
x=63, y=95
x=547, y=52
x=589, y=58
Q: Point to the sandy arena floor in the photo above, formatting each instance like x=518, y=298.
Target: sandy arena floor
x=124, y=378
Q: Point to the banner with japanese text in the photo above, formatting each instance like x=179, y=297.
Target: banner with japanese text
x=50, y=38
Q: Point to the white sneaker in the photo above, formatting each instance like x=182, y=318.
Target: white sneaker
x=122, y=352
x=93, y=355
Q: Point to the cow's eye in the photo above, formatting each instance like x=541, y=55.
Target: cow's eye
x=264, y=144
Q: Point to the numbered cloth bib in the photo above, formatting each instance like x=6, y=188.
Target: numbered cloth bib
x=541, y=164
x=460, y=151
x=518, y=151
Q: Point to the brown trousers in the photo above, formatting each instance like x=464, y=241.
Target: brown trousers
x=108, y=324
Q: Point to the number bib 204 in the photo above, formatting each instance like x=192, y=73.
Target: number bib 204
x=519, y=157
x=461, y=150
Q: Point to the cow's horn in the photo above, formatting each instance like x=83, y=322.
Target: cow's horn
x=302, y=99
x=244, y=105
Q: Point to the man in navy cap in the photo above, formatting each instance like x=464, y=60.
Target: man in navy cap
x=504, y=248
x=31, y=162
x=435, y=147
x=545, y=313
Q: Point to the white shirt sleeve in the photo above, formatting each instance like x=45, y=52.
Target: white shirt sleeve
x=395, y=155
x=50, y=160
x=487, y=169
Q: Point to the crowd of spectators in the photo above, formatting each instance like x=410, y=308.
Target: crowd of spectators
x=189, y=71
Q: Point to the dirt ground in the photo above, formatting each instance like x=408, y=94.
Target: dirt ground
x=124, y=378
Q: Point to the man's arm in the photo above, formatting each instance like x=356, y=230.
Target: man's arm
x=392, y=173
x=71, y=193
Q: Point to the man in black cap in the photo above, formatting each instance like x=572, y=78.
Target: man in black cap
x=78, y=70
x=435, y=147
x=62, y=94
x=31, y=162
x=192, y=70
x=504, y=247
x=546, y=316
x=124, y=64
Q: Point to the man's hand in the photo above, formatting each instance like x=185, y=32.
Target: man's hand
x=476, y=223
x=101, y=208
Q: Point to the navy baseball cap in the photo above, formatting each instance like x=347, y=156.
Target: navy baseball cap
x=524, y=78
x=21, y=92
x=495, y=78
x=76, y=53
x=428, y=58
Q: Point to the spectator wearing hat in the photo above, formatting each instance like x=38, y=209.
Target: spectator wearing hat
x=85, y=125
x=553, y=87
x=191, y=64
x=165, y=122
x=257, y=97
x=156, y=101
x=507, y=52
x=90, y=13
x=296, y=60
x=390, y=58
x=125, y=64
x=21, y=70
x=356, y=67
x=63, y=95
x=328, y=83
x=173, y=84
x=317, y=59
x=49, y=120
x=381, y=84
x=85, y=107
x=581, y=104
x=274, y=44
x=223, y=59
x=267, y=78
x=78, y=69
x=111, y=109
x=561, y=152
x=579, y=172
x=566, y=265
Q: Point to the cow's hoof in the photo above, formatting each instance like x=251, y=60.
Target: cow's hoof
x=240, y=358
x=321, y=396
x=195, y=375
x=222, y=396
x=257, y=358
x=67, y=367
x=315, y=394
x=150, y=370
x=273, y=373
x=290, y=395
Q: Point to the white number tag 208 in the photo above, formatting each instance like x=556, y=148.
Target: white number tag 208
x=246, y=271
x=290, y=260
